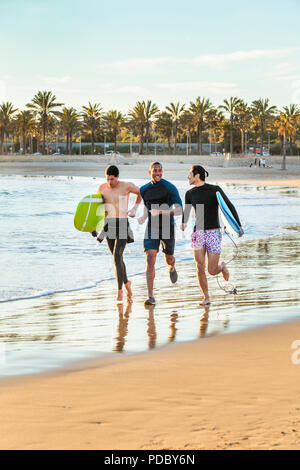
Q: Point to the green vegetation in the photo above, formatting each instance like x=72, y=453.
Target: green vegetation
x=235, y=126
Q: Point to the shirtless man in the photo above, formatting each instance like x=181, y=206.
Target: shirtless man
x=116, y=230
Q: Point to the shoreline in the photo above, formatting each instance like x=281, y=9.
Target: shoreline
x=173, y=170
x=93, y=405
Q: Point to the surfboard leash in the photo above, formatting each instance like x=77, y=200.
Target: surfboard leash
x=230, y=288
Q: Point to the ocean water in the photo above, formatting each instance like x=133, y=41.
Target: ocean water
x=41, y=253
x=57, y=285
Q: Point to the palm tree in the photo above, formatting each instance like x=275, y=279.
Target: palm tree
x=91, y=120
x=243, y=119
x=69, y=123
x=24, y=123
x=200, y=110
x=150, y=110
x=231, y=108
x=264, y=112
x=292, y=111
x=187, y=126
x=175, y=111
x=163, y=126
x=43, y=105
x=6, y=115
x=137, y=122
x=285, y=127
x=113, y=121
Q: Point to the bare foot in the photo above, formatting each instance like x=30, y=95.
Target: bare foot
x=129, y=291
x=205, y=301
x=119, y=298
x=225, y=272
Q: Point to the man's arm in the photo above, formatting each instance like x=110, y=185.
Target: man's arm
x=99, y=190
x=142, y=219
x=132, y=188
x=187, y=211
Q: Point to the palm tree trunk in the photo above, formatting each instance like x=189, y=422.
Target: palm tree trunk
x=242, y=141
x=115, y=140
x=141, y=143
x=200, y=141
x=255, y=141
x=291, y=145
x=93, y=139
x=44, y=136
x=5, y=144
x=261, y=138
x=175, y=137
x=231, y=136
x=24, y=143
x=71, y=138
x=1, y=141
x=147, y=140
x=67, y=143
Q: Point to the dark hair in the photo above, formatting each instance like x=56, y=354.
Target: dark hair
x=112, y=170
x=154, y=163
x=199, y=170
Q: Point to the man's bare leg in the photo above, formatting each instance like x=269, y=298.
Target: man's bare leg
x=150, y=270
x=119, y=295
x=215, y=268
x=199, y=257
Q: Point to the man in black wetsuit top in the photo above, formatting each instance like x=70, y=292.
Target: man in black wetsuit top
x=159, y=196
x=116, y=230
x=207, y=236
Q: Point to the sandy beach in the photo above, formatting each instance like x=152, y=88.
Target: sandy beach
x=236, y=170
x=238, y=391
x=231, y=391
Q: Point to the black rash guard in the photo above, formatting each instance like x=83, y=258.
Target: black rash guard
x=205, y=197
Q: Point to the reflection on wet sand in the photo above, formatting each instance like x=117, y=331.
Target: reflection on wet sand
x=265, y=273
x=204, y=322
x=172, y=327
x=151, y=330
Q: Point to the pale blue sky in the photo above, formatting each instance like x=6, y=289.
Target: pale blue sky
x=119, y=52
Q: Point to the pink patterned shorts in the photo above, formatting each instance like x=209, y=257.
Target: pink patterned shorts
x=211, y=239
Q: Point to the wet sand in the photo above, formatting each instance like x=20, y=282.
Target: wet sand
x=229, y=392
x=54, y=330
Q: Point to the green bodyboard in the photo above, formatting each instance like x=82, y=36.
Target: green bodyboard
x=90, y=214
